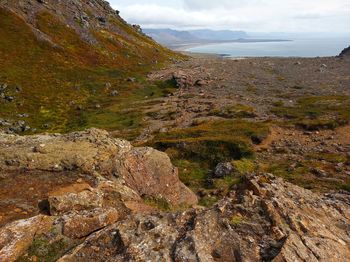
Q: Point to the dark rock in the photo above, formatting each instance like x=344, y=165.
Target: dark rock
x=345, y=52
x=223, y=169
x=182, y=79
x=102, y=20
x=9, y=98
x=114, y=93
x=319, y=172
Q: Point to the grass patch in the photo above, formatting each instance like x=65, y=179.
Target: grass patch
x=214, y=141
x=317, y=112
x=198, y=149
x=192, y=174
x=301, y=174
x=244, y=166
x=234, y=111
x=208, y=201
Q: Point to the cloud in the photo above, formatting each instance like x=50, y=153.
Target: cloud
x=249, y=15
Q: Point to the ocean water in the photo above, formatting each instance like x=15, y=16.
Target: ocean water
x=294, y=48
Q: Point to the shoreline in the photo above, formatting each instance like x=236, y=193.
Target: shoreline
x=186, y=46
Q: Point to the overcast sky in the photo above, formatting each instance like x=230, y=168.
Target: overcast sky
x=248, y=15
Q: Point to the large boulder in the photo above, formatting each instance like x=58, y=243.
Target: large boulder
x=94, y=152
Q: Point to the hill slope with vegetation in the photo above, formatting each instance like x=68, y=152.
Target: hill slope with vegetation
x=58, y=58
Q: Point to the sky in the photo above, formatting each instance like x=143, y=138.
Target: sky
x=248, y=15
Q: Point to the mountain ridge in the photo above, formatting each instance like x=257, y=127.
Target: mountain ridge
x=171, y=37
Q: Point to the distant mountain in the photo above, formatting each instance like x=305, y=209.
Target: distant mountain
x=172, y=37
x=222, y=35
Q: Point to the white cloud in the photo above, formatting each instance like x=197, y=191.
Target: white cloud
x=249, y=15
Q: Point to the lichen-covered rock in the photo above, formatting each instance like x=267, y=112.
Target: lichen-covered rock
x=16, y=237
x=150, y=172
x=85, y=200
x=265, y=220
x=223, y=169
x=95, y=152
x=81, y=224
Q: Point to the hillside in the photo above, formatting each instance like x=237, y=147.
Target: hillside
x=58, y=57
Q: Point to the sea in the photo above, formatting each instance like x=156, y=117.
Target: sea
x=293, y=48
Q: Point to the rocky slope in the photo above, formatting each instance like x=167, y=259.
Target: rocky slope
x=86, y=196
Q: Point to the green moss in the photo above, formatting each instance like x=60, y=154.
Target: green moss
x=244, y=166
x=317, y=112
x=330, y=157
x=158, y=202
x=234, y=111
x=301, y=174
x=192, y=174
x=214, y=141
x=49, y=247
x=345, y=187
x=236, y=220
x=208, y=201
x=225, y=184
x=198, y=149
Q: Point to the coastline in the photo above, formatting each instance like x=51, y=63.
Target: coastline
x=186, y=46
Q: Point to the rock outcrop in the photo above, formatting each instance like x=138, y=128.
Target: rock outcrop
x=82, y=171
x=100, y=215
x=345, y=52
x=266, y=220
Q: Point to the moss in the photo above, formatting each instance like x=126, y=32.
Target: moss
x=301, y=174
x=244, y=166
x=198, y=149
x=234, y=111
x=208, y=201
x=49, y=247
x=158, y=202
x=214, y=141
x=192, y=174
x=330, y=157
x=345, y=187
x=225, y=184
x=236, y=220
x=317, y=112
